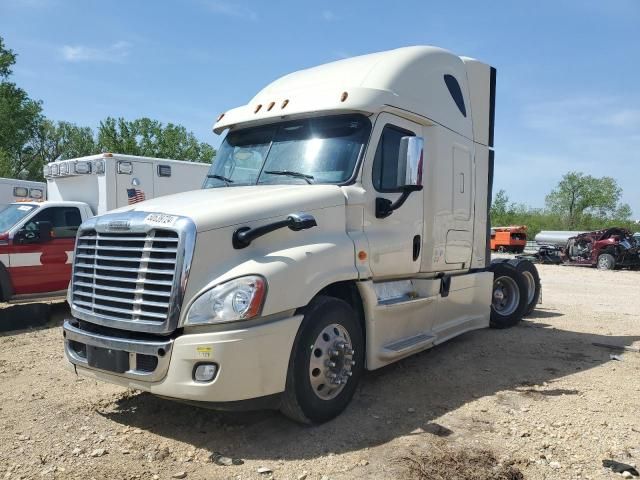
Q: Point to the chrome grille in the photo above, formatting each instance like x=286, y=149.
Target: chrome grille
x=126, y=276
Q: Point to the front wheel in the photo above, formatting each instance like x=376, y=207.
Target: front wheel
x=326, y=363
x=606, y=261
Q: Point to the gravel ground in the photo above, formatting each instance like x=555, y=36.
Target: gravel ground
x=540, y=395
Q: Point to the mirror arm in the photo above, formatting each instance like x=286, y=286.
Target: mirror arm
x=296, y=222
x=384, y=207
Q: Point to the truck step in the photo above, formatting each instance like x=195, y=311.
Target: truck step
x=407, y=345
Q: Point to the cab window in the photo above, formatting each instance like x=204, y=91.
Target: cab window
x=385, y=163
x=64, y=221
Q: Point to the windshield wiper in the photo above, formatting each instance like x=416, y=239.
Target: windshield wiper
x=226, y=180
x=289, y=173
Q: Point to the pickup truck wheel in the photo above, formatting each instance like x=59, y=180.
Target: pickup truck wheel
x=326, y=363
x=606, y=261
x=509, y=295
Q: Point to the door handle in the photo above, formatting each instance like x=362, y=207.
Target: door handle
x=417, y=241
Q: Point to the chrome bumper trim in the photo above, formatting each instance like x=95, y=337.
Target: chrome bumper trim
x=159, y=349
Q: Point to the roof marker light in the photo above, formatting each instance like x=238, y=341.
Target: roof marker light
x=82, y=167
x=344, y=96
x=270, y=106
x=220, y=117
x=257, y=108
x=285, y=103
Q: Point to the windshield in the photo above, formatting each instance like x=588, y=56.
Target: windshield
x=312, y=150
x=12, y=214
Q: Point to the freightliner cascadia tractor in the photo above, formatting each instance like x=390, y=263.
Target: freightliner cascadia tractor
x=342, y=226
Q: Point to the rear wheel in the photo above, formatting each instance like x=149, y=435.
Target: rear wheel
x=532, y=278
x=606, y=261
x=509, y=295
x=326, y=363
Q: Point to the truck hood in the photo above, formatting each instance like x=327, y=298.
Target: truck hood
x=225, y=206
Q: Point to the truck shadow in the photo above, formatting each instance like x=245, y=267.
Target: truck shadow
x=516, y=365
x=32, y=316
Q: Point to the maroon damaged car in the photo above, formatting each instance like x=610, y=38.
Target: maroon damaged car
x=606, y=249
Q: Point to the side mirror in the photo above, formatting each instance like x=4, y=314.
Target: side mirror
x=409, y=175
x=410, y=161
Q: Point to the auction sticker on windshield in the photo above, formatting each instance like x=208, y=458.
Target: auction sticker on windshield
x=161, y=219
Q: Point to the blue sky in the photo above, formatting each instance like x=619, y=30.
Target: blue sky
x=568, y=89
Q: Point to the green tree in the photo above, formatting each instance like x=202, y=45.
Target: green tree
x=20, y=117
x=500, y=204
x=7, y=60
x=52, y=141
x=152, y=138
x=578, y=195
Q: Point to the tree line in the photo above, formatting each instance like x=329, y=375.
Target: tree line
x=29, y=140
x=579, y=202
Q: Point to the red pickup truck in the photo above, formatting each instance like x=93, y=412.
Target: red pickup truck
x=36, y=247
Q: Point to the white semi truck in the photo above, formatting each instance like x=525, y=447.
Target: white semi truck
x=343, y=226
x=37, y=237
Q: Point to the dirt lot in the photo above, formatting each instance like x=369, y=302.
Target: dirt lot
x=540, y=395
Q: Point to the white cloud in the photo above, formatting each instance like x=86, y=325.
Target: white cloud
x=231, y=9
x=328, y=16
x=115, y=53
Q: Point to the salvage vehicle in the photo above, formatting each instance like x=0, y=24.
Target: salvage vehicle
x=37, y=237
x=343, y=226
x=509, y=239
x=14, y=190
x=605, y=249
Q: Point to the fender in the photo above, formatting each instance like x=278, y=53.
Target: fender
x=6, y=287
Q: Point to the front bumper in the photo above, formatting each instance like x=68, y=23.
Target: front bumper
x=252, y=362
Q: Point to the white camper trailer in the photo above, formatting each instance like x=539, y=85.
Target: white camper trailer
x=14, y=190
x=110, y=180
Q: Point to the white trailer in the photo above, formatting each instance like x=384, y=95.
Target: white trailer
x=14, y=190
x=343, y=226
x=111, y=180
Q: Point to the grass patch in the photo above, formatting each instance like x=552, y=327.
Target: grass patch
x=444, y=462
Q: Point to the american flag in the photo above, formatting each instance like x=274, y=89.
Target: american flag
x=134, y=195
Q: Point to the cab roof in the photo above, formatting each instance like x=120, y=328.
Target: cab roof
x=409, y=78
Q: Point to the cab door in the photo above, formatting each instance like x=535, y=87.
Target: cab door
x=37, y=266
x=394, y=241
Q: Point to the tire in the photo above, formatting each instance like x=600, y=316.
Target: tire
x=531, y=276
x=310, y=396
x=6, y=290
x=508, y=295
x=606, y=261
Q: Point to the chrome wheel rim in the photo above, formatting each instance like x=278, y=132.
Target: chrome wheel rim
x=531, y=286
x=506, y=295
x=603, y=262
x=331, y=361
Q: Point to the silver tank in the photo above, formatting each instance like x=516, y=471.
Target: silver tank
x=555, y=237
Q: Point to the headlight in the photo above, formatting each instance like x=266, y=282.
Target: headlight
x=237, y=299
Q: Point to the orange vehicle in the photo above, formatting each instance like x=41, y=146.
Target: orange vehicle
x=509, y=239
